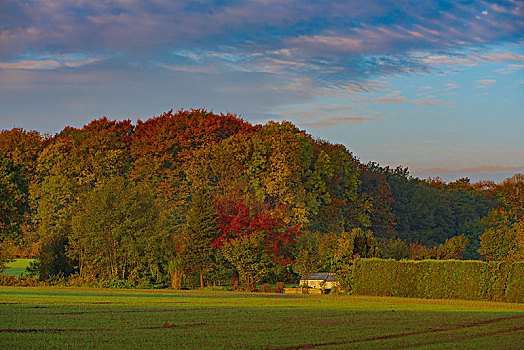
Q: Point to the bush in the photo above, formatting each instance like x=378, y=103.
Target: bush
x=19, y=281
x=266, y=288
x=515, y=285
x=436, y=279
x=77, y=280
x=279, y=287
x=118, y=284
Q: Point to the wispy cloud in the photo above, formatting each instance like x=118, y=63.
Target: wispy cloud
x=510, y=68
x=450, y=86
x=323, y=40
x=51, y=62
x=476, y=169
x=319, y=111
x=484, y=83
x=338, y=120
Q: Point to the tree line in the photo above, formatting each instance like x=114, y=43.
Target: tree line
x=193, y=197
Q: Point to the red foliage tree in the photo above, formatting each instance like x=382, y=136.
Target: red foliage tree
x=239, y=218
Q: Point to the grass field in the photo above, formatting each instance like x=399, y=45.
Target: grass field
x=53, y=317
x=17, y=267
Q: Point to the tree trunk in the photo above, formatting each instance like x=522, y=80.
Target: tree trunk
x=176, y=279
x=201, y=279
x=235, y=281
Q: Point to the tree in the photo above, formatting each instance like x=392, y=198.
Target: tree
x=308, y=257
x=13, y=198
x=200, y=232
x=115, y=230
x=23, y=147
x=253, y=238
x=396, y=249
x=356, y=244
x=499, y=239
x=351, y=245
x=453, y=248
x=250, y=257
x=375, y=186
x=14, y=204
x=511, y=192
x=53, y=260
x=517, y=253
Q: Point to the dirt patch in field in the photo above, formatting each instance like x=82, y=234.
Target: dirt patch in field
x=174, y=325
x=461, y=339
x=406, y=334
x=49, y=330
x=113, y=312
x=63, y=330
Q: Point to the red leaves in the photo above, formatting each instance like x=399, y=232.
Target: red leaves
x=238, y=218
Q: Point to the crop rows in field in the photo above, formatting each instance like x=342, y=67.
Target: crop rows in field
x=82, y=318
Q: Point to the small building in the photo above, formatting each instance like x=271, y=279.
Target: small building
x=320, y=280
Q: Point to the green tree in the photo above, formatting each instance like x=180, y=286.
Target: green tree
x=356, y=244
x=397, y=249
x=511, y=192
x=499, y=239
x=249, y=255
x=53, y=260
x=200, y=232
x=453, y=248
x=13, y=206
x=308, y=257
x=115, y=230
x=13, y=198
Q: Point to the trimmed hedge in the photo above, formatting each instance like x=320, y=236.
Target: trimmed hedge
x=515, y=284
x=437, y=279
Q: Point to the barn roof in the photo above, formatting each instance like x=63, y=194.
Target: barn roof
x=322, y=276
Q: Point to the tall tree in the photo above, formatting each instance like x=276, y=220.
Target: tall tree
x=501, y=236
x=114, y=231
x=254, y=238
x=201, y=231
x=13, y=197
x=13, y=205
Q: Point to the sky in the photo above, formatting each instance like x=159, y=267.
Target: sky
x=435, y=86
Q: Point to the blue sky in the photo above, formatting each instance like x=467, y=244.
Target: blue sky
x=437, y=86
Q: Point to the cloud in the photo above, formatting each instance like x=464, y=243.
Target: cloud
x=319, y=111
x=319, y=43
x=471, y=59
x=52, y=62
x=510, y=68
x=322, y=39
x=476, y=169
x=338, y=120
x=484, y=83
x=450, y=86
x=403, y=99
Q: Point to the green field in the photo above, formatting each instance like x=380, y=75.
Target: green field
x=17, y=267
x=53, y=317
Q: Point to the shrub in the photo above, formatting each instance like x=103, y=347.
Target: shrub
x=515, y=285
x=77, y=280
x=118, y=284
x=437, y=279
x=19, y=281
x=279, y=287
x=266, y=288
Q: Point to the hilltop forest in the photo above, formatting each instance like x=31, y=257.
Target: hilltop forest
x=196, y=198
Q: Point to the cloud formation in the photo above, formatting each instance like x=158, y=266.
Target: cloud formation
x=476, y=169
x=323, y=40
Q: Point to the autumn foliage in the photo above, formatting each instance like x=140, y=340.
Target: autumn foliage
x=191, y=197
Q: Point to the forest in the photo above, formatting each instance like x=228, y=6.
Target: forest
x=193, y=198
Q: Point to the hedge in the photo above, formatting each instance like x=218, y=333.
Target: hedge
x=437, y=279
